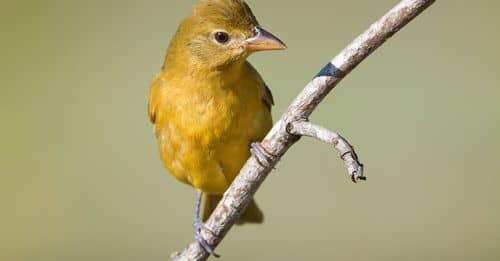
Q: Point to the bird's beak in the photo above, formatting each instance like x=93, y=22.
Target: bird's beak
x=264, y=40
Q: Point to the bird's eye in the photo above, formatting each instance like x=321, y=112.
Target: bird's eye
x=221, y=37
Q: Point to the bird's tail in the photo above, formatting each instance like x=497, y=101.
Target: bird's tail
x=252, y=213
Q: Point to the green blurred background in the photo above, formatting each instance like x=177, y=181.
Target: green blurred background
x=81, y=178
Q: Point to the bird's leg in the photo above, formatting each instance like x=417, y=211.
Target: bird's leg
x=198, y=225
x=262, y=156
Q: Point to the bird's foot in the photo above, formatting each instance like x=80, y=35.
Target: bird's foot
x=263, y=157
x=202, y=242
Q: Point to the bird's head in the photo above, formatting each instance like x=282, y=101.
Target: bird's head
x=218, y=33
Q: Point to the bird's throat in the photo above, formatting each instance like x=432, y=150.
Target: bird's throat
x=197, y=71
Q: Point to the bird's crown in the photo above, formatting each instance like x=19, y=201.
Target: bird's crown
x=230, y=13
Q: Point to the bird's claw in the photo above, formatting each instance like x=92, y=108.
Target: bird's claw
x=263, y=157
x=203, y=243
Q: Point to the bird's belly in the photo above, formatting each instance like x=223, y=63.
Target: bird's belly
x=206, y=146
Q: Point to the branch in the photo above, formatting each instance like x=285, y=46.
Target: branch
x=346, y=151
x=284, y=132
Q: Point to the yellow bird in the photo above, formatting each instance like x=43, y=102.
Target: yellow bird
x=209, y=105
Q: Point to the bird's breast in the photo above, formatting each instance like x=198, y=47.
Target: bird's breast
x=211, y=113
x=204, y=128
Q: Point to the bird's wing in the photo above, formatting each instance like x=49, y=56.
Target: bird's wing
x=268, y=97
x=154, y=96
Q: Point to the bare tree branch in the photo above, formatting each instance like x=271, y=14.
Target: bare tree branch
x=346, y=151
x=284, y=132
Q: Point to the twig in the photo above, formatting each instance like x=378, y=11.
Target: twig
x=346, y=151
x=284, y=132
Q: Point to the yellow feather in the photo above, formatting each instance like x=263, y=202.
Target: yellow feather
x=208, y=103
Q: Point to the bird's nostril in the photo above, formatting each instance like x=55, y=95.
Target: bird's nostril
x=256, y=30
